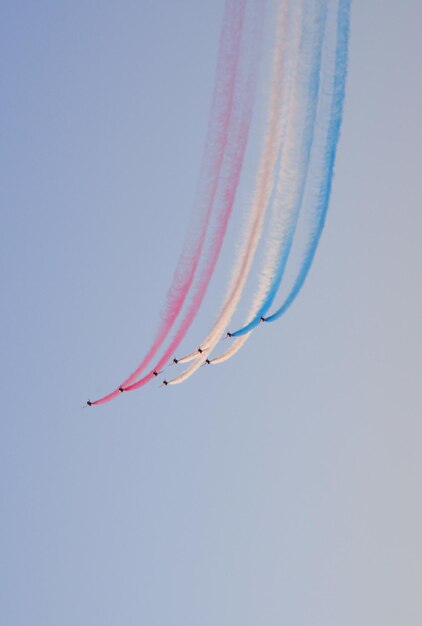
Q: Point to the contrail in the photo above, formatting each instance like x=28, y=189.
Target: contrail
x=322, y=186
x=294, y=176
x=321, y=170
x=236, y=147
x=294, y=161
x=287, y=209
x=210, y=172
x=280, y=99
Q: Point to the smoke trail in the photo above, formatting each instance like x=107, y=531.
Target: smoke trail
x=238, y=136
x=212, y=161
x=294, y=161
x=322, y=167
x=276, y=126
x=323, y=188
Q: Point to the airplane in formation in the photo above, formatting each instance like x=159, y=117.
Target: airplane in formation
x=175, y=361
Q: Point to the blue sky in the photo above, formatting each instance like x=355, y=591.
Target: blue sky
x=281, y=488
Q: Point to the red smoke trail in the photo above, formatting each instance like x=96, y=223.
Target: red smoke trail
x=212, y=161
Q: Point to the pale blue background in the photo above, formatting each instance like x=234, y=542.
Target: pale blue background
x=281, y=488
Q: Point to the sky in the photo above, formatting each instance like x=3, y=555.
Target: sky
x=283, y=487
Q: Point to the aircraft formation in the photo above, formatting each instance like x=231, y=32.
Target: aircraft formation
x=293, y=179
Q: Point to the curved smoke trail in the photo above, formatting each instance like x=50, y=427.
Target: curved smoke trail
x=320, y=190
x=294, y=161
x=212, y=161
x=276, y=127
x=323, y=190
x=238, y=136
x=292, y=169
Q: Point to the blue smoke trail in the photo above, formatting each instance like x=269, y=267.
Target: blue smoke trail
x=305, y=150
x=329, y=157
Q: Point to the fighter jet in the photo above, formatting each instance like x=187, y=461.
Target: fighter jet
x=157, y=373
x=165, y=383
x=121, y=389
x=175, y=361
x=89, y=403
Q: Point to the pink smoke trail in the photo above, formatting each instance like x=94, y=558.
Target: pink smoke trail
x=238, y=137
x=212, y=161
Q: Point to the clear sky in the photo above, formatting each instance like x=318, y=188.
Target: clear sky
x=284, y=487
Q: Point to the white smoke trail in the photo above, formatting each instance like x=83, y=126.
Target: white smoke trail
x=290, y=190
x=280, y=101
